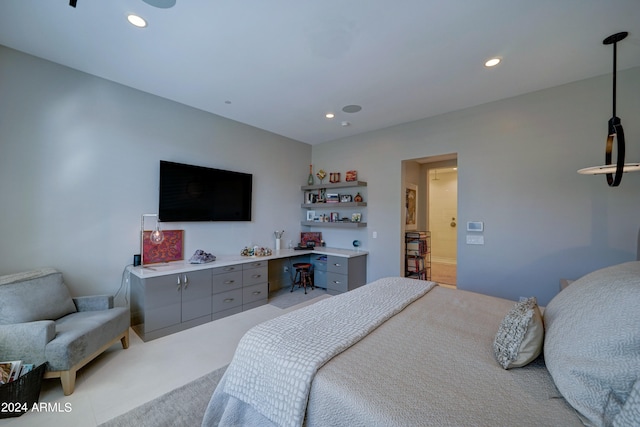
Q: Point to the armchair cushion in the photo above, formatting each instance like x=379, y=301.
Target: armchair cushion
x=94, y=302
x=35, y=295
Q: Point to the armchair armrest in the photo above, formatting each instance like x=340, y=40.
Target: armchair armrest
x=94, y=302
x=26, y=341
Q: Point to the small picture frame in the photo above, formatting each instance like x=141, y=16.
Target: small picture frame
x=335, y=217
x=356, y=217
x=311, y=215
x=346, y=198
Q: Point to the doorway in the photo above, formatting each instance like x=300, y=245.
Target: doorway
x=436, y=181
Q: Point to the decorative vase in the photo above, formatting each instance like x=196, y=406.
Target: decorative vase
x=310, y=179
x=277, y=244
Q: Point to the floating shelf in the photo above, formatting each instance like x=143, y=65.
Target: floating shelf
x=334, y=185
x=339, y=224
x=333, y=205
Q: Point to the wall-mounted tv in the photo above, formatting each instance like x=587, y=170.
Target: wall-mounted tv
x=196, y=193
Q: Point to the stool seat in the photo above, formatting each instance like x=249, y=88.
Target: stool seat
x=302, y=277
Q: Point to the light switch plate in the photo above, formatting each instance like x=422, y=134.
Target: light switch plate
x=475, y=240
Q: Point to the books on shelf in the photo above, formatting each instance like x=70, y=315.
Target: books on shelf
x=12, y=370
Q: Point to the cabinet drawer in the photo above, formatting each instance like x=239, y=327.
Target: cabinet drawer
x=338, y=264
x=337, y=282
x=226, y=269
x=227, y=300
x=255, y=275
x=255, y=264
x=255, y=293
x=227, y=281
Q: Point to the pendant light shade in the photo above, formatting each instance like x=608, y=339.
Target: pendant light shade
x=613, y=171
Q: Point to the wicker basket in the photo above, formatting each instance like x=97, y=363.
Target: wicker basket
x=18, y=397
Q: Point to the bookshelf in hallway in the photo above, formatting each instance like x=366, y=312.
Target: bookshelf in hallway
x=417, y=259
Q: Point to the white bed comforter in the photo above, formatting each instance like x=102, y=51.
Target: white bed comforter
x=269, y=379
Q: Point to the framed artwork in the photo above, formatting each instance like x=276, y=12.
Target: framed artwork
x=311, y=215
x=411, y=207
x=310, y=236
x=171, y=248
x=356, y=217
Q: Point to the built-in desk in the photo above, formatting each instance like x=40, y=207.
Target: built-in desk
x=170, y=297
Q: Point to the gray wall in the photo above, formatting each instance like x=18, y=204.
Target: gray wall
x=79, y=161
x=517, y=162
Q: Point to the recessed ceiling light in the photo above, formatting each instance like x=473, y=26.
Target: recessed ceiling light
x=492, y=62
x=137, y=21
x=329, y=115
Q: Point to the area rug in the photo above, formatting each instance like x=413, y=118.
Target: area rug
x=183, y=406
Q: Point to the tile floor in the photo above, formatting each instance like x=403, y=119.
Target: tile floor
x=120, y=380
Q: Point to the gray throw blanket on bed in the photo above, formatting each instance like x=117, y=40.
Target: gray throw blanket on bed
x=275, y=362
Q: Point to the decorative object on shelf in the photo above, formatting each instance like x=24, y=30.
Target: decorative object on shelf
x=171, y=248
x=310, y=179
x=356, y=217
x=614, y=131
x=411, y=207
x=201, y=257
x=310, y=236
x=351, y=176
x=311, y=215
x=357, y=198
x=334, y=177
x=256, y=251
x=356, y=244
x=332, y=198
x=321, y=175
x=278, y=235
x=335, y=217
x=345, y=198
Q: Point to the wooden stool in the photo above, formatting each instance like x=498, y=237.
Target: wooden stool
x=302, y=276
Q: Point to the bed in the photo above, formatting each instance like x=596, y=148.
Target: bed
x=401, y=352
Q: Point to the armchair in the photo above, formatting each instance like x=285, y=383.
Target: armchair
x=40, y=322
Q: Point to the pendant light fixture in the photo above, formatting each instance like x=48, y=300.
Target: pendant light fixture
x=613, y=171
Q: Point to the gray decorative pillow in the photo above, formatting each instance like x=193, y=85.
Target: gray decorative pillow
x=592, y=342
x=520, y=336
x=35, y=295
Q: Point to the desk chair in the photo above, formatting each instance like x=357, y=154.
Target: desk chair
x=302, y=277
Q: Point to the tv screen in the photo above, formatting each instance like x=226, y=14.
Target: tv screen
x=196, y=193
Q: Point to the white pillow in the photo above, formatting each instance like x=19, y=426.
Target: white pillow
x=520, y=335
x=592, y=341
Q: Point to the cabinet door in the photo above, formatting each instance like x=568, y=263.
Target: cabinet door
x=163, y=302
x=196, y=294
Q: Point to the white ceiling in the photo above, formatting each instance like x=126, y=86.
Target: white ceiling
x=283, y=64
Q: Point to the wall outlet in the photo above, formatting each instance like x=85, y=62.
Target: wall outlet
x=286, y=269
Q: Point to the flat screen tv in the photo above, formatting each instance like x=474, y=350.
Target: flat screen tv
x=196, y=193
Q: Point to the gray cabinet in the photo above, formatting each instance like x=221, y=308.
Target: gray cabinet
x=166, y=304
x=339, y=274
x=227, y=291
x=255, y=284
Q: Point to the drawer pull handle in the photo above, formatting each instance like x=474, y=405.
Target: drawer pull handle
x=229, y=268
x=230, y=282
x=256, y=292
x=255, y=276
x=336, y=264
x=229, y=300
x=337, y=282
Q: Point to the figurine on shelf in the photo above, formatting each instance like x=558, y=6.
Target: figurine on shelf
x=321, y=175
x=357, y=198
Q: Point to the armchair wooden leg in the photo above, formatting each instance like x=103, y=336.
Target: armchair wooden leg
x=68, y=380
x=125, y=339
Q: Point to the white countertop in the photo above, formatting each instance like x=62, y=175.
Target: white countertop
x=184, y=266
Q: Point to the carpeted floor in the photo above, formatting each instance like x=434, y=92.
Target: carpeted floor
x=183, y=406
